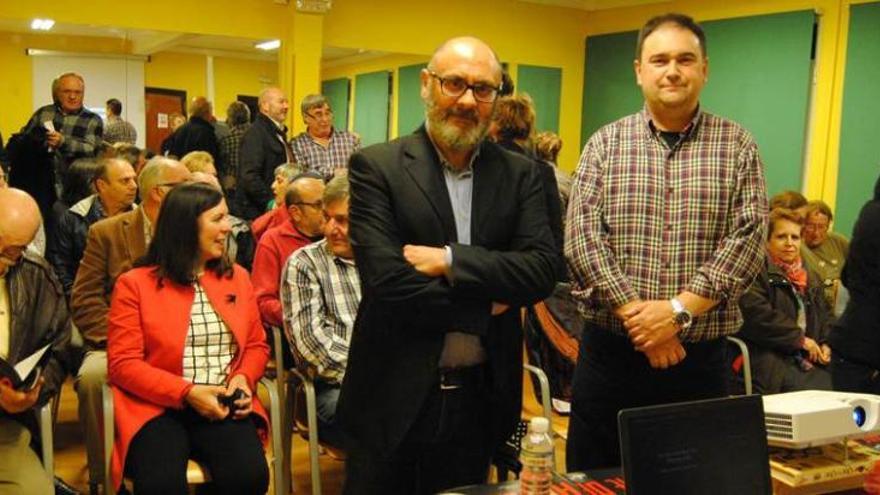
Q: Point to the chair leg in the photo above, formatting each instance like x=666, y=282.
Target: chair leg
x=46, y=438
x=109, y=432
x=312, y=417
x=278, y=456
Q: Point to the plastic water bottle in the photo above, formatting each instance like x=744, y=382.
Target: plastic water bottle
x=537, y=459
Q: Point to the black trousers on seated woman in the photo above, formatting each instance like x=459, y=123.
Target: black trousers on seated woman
x=229, y=449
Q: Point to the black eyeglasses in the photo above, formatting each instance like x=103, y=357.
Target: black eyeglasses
x=317, y=204
x=318, y=116
x=456, y=86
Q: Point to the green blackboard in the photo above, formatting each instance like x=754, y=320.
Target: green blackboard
x=544, y=85
x=371, y=107
x=337, y=93
x=410, y=109
x=759, y=76
x=859, y=159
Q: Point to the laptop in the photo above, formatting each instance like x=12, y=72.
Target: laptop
x=716, y=446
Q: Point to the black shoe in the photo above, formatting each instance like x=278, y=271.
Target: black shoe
x=62, y=488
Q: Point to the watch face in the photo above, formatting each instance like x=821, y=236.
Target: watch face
x=683, y=319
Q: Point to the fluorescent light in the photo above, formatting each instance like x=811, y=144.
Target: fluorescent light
x=269, y=45
x=42, y=24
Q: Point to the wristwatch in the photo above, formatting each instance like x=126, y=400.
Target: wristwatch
x=680, y=315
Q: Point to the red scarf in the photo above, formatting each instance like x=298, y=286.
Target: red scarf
x=794, y=272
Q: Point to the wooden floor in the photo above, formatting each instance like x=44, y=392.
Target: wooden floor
x=70, y=456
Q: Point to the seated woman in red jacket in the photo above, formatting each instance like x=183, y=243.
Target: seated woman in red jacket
x=184, y=332
x=786, y=318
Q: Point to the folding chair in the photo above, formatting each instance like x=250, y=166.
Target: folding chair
x=742, y=361
x=195, y=473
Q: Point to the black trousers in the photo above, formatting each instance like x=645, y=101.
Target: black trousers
x=230, y=449
x=449, y=445
x=849, y=376
x=611, y=375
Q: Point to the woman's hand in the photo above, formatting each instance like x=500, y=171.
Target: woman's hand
x=203, y=398
x=814, y=352
x=826, y=354
x=245, y=405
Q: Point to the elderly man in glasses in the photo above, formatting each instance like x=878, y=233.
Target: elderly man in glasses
x=451, y=237
x=322, y=149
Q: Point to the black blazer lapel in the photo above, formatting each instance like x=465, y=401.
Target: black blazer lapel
x=423, y=165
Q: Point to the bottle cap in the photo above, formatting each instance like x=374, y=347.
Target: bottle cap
x=539, y=424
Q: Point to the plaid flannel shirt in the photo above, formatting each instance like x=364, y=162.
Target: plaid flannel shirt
x=320, y=293
x=229, y=151
x=646, y=221
x=119, y=131
x=321, y=160
x=82, y=130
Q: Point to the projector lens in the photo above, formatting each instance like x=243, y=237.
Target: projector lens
x=859, y=416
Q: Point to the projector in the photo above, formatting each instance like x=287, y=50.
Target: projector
x=798, y=420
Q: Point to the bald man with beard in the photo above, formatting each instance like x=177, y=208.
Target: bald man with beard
x=263, y=147
x=33, y=313
x=451, y=237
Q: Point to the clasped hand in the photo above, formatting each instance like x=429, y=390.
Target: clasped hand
x=652, y=330
x=205, y=399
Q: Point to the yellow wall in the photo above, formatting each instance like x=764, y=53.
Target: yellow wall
x=520, y=32
x=180, y=71
x=233, y=77
x=390, y=63
x=16, y=83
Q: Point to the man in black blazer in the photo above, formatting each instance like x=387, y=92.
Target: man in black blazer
x=198, y=133
x=450, y=233
x=263, y=147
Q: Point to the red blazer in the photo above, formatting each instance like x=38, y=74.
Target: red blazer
x=147, y=330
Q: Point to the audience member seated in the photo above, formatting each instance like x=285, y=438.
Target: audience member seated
x=240, y=245
x=823, y=251
x=321, y=291
x=856, y=337
x=184, y=336
x=78, y=183
x=116, y=189
x=791, y=200
x=132, y=154
x=277, y=213
x=547, y=147
x=33, y=313
x=112, y=247
x=199, y=161
x=198, y=133
x=786, y=319
x=305, y=224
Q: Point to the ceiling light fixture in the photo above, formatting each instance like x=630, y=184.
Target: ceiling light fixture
x=42, y=24
x=269, y=45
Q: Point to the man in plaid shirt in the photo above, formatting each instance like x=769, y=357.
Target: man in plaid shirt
x=71, y=130
x=665, y=224
x=322, y=148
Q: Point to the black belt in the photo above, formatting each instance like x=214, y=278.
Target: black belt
x=470, y=376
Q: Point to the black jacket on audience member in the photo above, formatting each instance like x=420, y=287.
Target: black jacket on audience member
x=195, y=135
x=261, y=151
x=770, y=312
x=857, y=334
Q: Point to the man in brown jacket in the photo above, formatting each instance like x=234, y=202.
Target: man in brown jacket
x=112, y=247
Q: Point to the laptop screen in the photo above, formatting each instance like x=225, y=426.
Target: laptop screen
x=716, y=446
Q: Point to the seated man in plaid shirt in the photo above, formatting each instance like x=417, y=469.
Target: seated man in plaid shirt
x=320, y=293
x=322, y=149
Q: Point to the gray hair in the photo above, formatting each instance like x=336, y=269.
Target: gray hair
x=289, y=170
x=313, y=101
x=152, y=173
x=56, y=83
x=336, y=190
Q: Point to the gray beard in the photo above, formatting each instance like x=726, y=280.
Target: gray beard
x=451, y=136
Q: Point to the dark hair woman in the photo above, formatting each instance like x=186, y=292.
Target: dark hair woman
x=787, y=320
x=184, y=332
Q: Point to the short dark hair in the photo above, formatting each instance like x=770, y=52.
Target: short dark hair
x=237, y=113
x=79, y=180
x=680, y=20
x=115, y=106
x=515, y=117
x=174, y=249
